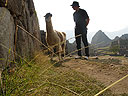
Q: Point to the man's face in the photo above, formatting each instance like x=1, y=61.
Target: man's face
x=75, y=7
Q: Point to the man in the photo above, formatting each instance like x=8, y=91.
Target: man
x=81, y=20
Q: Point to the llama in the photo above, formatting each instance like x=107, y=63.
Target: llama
x=54, y=38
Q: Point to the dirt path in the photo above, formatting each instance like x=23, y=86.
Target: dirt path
x=106, y=69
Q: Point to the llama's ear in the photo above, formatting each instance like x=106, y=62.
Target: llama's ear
x=51, y=15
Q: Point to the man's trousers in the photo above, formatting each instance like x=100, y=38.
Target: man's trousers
x=83, y=32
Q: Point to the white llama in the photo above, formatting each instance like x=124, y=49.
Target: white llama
x=54, y=38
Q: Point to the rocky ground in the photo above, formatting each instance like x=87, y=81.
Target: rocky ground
x=106, y=69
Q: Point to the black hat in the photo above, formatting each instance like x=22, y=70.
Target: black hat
x=75, y=3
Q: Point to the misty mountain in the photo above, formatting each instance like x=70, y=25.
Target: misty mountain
x=119, y=33
x=111, y=35
x=100, y=39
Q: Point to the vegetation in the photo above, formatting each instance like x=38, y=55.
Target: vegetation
x=43, y=77
x=115, y=49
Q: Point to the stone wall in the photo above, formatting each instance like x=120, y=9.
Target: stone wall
x=7, y=29
x=21, y=13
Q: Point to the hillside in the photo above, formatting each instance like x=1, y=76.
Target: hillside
x=48, y=78
x=106, y=69
x=72, y=77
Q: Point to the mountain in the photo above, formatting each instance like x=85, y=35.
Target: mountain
x=111, y=35
x=119, y=33
x=122, y=42
x=125, y=36
x=116, y=38
x=100, y=39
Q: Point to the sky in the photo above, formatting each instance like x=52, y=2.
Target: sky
x=106, y=15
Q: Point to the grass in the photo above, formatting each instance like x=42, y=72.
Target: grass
x=41, y=78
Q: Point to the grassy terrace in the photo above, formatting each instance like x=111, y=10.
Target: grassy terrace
x=44, y=78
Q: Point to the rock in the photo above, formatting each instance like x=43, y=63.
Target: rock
x=7, y=29
x=28, y=22
x=14, y=6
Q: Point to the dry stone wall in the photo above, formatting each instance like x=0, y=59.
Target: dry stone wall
x=21, y=13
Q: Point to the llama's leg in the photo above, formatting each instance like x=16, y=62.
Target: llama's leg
x=63, y=50
x=59, y=49
x=52, y=53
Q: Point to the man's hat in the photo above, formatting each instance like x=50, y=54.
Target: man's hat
x=75, y=3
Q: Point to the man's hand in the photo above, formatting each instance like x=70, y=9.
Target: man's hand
x=87, y=21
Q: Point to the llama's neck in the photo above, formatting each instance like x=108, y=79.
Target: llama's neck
x=49, y=27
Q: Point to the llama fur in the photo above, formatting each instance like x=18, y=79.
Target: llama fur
x=54, y=38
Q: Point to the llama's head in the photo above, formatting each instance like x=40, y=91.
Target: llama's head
x=48, y=17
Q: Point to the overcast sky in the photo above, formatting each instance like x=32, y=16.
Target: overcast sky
x=105, y=15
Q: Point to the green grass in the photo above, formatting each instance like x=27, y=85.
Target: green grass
x=41, y=78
